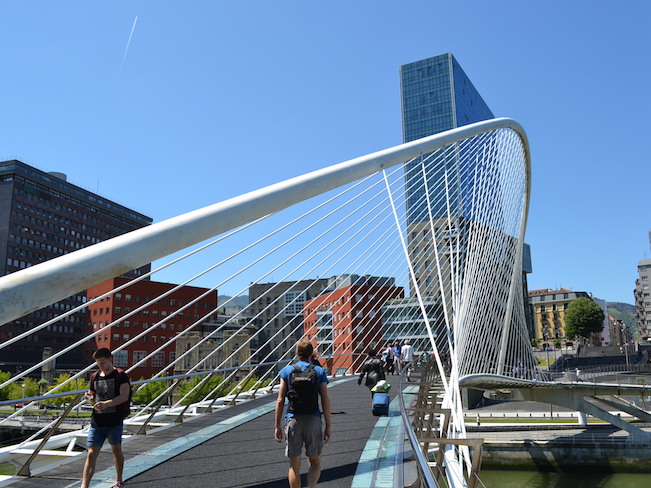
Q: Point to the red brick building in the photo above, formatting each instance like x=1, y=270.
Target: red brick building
x=122, y=306
x=345, y=321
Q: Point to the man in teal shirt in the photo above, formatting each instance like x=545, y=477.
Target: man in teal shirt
x=303, y=383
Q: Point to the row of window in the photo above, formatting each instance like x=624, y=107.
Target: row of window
x=43, y=246
x=554, y=308
x=163, y=301
x=121, y=358
x=125, y=337
x=554, y=296
x=136, y=325
x=328, y=319
x=36, y=193
x=145, y=312
x=50, y=221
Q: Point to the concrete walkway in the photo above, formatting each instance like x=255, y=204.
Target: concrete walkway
x=233, y=447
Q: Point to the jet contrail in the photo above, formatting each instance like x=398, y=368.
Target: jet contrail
x=126, y=49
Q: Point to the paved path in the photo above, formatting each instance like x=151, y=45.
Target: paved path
x=248, y=456
x=244, y=456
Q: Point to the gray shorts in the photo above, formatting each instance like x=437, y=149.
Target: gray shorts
x=303, y=429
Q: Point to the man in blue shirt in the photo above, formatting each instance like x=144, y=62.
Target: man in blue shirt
x=302, y=384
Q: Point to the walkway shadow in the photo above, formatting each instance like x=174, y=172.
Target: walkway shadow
x=330, y=478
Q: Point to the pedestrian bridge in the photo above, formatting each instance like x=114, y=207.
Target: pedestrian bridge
x=426, y=238
x=234, y=447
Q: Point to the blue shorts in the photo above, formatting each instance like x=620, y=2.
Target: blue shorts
x=97, y=435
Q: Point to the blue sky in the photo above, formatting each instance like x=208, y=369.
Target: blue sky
x=205, y=100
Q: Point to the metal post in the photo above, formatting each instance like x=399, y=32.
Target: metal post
x=25, y=471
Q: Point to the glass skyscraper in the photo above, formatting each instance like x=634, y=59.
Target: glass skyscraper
x=436, y=96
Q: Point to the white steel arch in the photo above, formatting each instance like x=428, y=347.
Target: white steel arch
x=460, y=257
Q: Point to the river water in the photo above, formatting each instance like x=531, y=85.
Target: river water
x=534, y=479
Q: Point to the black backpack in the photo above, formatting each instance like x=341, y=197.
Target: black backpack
x=303, y=392
x=124, y=409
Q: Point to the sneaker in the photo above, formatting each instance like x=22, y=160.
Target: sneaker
x=119, y=484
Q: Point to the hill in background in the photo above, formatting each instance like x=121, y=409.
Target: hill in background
x=241, y=301
x=624, y=312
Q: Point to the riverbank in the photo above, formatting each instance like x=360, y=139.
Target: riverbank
x=526, y=436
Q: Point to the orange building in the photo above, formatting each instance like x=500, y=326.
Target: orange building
x=155, y=321
x=345, y=321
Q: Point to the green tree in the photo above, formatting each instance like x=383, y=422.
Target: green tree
x=6, y=391
x=583, y=317
x=214, y=383
x=147, y=392
x=76, y=384
x=42, y=386
x=17, y=390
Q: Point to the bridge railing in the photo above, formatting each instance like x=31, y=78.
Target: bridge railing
x=427, y=425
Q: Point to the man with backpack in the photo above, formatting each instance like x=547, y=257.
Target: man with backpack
x=110, y=391
x=302, y=384
x=373, y=371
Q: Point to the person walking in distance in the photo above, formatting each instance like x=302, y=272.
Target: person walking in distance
x=303, y=384
x=406, y=357
x=396, y=350
x=373, y=371
x=391, y=355
x=110, y=391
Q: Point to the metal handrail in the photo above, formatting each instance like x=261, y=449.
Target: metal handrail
x=423, y=464
x=427, y=476
x=136, y=383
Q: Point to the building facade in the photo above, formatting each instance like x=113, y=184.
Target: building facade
x=402, y=320
x=437, y=95
x=277, y=311
x=228, y=351
x=643, y=297
x=345, y=321
x=549, y=308
x=43, y=216
x=137, y=313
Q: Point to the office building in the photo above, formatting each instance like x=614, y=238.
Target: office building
x=437, y=95
x=549, y=308
x=402, y=320
x=345, y=321
x=137, y=313
x=277, y=311
x=43, y=216
x=643, y=298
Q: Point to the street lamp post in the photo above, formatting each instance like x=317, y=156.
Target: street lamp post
x=546, y=346
x=625, y=344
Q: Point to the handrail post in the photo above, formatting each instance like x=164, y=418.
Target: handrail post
x=25, y=471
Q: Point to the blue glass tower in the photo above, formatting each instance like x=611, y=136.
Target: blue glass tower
x=436, y=96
